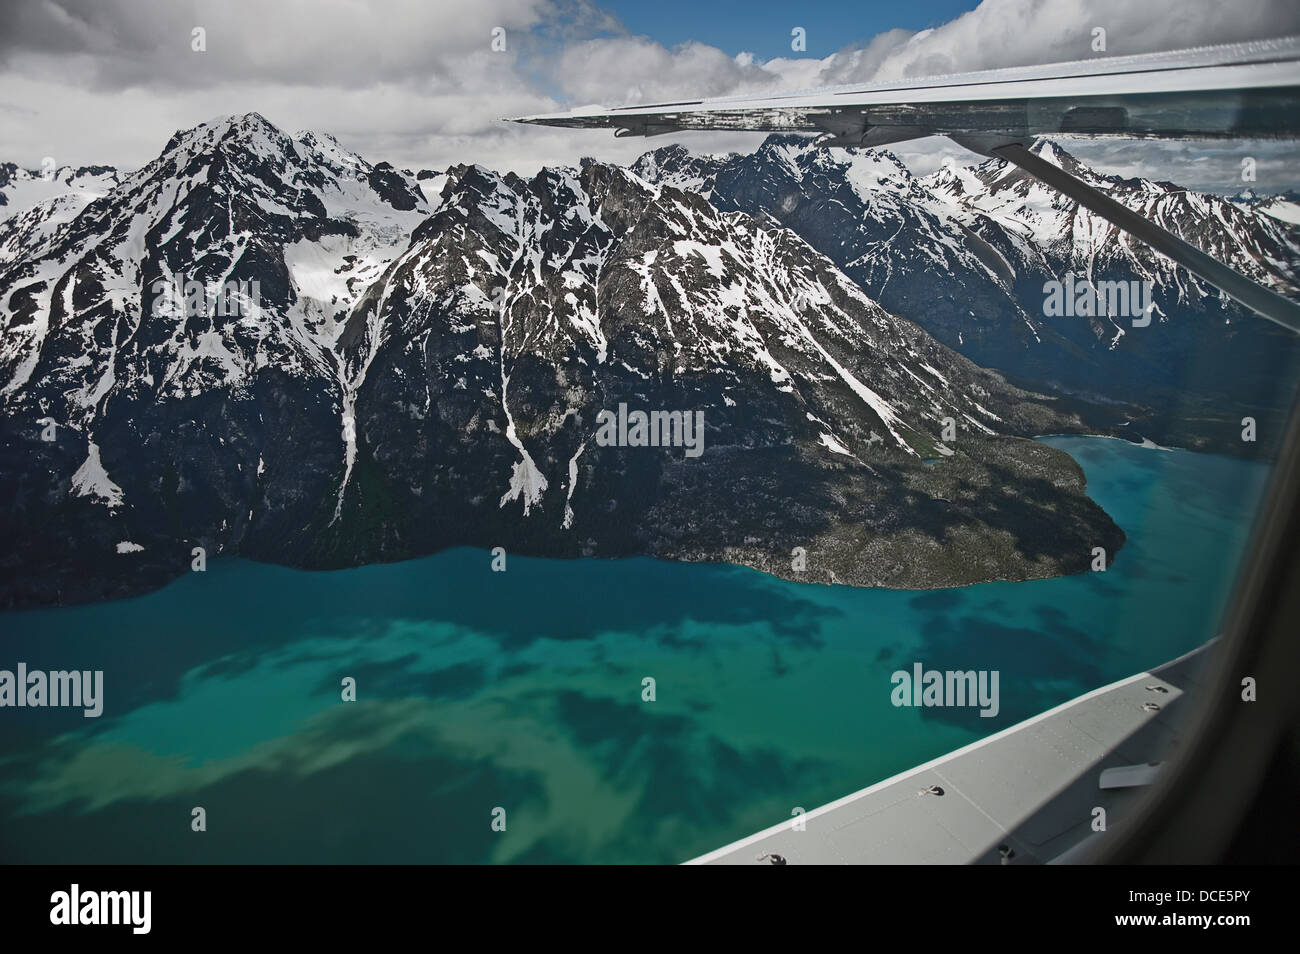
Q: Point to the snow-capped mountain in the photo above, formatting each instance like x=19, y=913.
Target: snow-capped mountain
x=383, y=364
x=230, y=201
x=1283, y=206
x=23, y=189
x=967, y=253
x=34, y=203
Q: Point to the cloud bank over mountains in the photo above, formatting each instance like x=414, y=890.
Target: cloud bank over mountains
x=420, y=83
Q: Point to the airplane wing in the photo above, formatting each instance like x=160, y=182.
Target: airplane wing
x=1241, y=91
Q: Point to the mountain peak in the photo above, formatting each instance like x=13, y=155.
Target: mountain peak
x=785, y=146
x=674, y=165
x=238, y=123
x=246, y=132
x=251, y=118
x=794, y=140
x=317, y=138
x=1052, y=152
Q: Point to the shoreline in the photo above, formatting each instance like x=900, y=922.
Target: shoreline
x=820, y=579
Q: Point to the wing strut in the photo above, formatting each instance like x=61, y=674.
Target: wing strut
x=1254, y=296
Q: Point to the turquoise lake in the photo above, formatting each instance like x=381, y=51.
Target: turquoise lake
x=523, y=690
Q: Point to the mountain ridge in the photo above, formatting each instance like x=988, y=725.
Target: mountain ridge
x=967, y=252
x=429, y=353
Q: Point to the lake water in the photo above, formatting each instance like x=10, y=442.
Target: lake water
x=523, y=690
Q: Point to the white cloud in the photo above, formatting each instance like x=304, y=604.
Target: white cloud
x=1004, y=33
x=416, y=82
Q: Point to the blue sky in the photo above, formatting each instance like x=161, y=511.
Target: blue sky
x=763, y=27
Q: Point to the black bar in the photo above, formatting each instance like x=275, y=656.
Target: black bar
x=1038, y=908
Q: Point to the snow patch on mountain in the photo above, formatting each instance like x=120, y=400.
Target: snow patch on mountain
x=92, y=480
